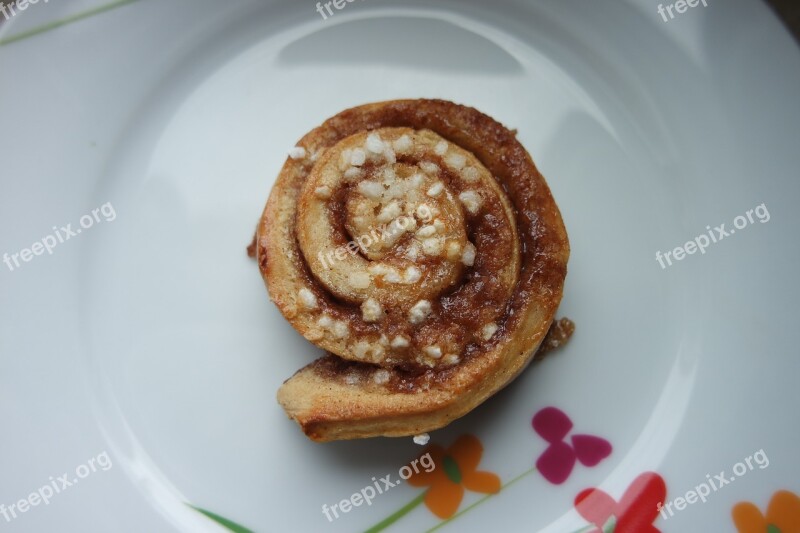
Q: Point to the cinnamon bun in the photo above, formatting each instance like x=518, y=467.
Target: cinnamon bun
x=417, y=243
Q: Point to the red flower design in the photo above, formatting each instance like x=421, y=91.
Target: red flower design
x=634, y=513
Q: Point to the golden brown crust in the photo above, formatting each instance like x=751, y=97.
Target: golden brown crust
x=335, y=399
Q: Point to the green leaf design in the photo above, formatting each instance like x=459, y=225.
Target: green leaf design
x=451, y=469
x=224, y=522
x=611, y=525
x=773, y=529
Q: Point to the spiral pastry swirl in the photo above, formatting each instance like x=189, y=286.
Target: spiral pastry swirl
x=416, y=242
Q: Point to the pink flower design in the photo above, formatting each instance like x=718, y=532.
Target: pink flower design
x=558, y=460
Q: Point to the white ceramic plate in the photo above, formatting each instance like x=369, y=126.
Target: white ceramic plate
x=139, y=360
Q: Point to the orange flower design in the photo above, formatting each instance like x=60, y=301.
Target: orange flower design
x=455, y=471
x=783, y=515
